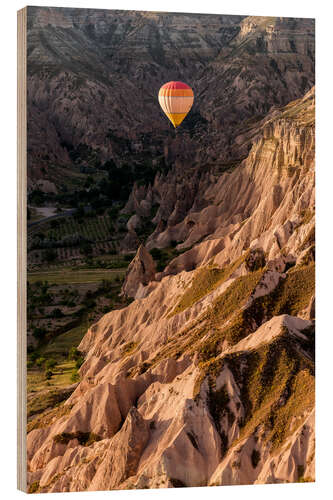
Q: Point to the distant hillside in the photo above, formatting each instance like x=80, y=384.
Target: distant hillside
x=94, y=75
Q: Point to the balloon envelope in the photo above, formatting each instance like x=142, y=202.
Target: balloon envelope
x=176, y=99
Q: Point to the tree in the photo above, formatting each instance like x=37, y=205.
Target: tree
x=39, y=333
x=57, y=313
x=73, y=353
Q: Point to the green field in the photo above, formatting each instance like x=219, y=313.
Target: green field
x=76, y=276
x=97, y=228
x=60, y=345
x=95, y=291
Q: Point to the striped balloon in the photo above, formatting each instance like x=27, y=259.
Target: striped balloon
x=176, y=99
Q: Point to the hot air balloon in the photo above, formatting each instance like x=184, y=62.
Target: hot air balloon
x=176, y=99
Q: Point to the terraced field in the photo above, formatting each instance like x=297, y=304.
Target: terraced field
x=73, y=239
x=99, y=228
x=62, y=304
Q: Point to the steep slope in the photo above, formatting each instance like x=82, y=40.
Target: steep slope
x=208, y=377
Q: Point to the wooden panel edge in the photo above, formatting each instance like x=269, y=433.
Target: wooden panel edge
x=21, y=247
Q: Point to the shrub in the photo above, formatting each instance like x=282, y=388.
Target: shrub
x=255, y=260
x=57, y=313
x=79, y=362
x=50, y=363
x=128, y=348
x=73, y=353
x=34, y=487
x=84, y=438
x=75, y=377
x=40, y=361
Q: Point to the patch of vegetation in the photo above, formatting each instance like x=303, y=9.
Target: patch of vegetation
x=309, y=239
x=300, y=473
x=205, y=280
x=74, y=354
x=84, y=438
x=305, y=480
x=60, y=345
x=301, y=399
x=129, y=348
x=47, y=417
x=68, y=276
x=50, y=363
x=255, y=260
x=34, y=487
x=163, y=256
x=291, y=296
x=145, y=229
x=205, y=335
x=309, y=256
x=306, y=215
x=277, y=387
x=41, y=402
x=222, y=309
x=233, y=297
x=75, y=376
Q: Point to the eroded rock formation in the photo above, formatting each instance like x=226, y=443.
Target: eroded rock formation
x=207, y=377
x=140, y=272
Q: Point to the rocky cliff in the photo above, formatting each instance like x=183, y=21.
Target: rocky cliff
x=141, y=271
x=208, y=377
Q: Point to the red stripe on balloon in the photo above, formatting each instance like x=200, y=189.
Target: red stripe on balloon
x=175, y=85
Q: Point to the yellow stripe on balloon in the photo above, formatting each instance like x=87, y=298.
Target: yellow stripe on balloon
x=176, y=118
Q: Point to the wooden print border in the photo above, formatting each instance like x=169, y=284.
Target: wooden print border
x=21, y=246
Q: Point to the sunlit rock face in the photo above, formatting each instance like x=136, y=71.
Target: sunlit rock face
x=190, y=383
